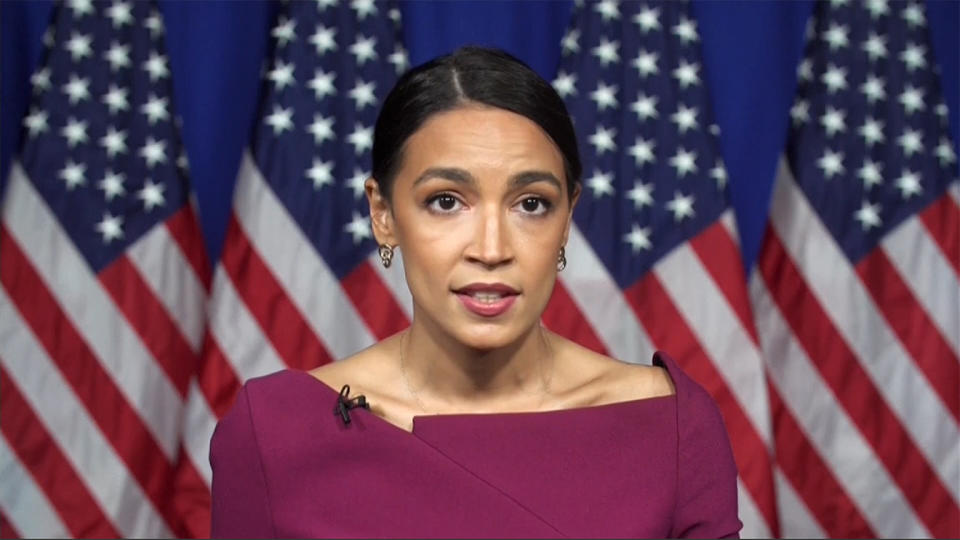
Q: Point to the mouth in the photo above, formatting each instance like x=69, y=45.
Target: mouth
x=487, y=299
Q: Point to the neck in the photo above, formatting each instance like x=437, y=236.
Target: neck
x=444, y=373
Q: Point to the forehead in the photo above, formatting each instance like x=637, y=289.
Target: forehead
x=482, y=140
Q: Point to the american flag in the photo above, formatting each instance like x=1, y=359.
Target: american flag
x=298, y=283
x=654, y=255
x=102, y=287
x=856, y=291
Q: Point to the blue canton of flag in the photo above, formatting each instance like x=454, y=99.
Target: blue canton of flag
x=632, y=78
x=103, y=108
x=332, y=68
x=868, y=144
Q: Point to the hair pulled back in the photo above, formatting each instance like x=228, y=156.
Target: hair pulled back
x=475, y=75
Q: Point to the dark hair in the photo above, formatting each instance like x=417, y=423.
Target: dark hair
x=469, y=75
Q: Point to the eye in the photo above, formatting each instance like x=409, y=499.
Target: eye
x=535, y=206
x=443, y=203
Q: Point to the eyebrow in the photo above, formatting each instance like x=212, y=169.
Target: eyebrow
x=461, y=176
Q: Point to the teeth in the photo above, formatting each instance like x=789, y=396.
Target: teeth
x=486, y=297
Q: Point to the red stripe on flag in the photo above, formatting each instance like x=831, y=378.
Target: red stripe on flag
x=812, y=478
x=720, y=256
x=269, y=304
x=7, y=529
x=49, y=467
x=151, y=320
x=669, y=332
x=115, y=417
x=191, y=499
x=851, y=386
x=910, y=321
x=374, y=301
x=185, y=230
x=942, y=219
x=564, y=317
x=217, y=380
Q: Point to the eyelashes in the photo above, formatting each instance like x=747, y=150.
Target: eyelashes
x=446, y=203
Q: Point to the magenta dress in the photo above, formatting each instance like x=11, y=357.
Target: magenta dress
x=285, y=465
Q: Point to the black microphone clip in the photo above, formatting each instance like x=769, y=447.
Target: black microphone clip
x=346, y=403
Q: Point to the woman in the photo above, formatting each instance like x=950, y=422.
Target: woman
x=475, y=421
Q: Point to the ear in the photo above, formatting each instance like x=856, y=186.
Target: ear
x=573, y=204
x=381, y=214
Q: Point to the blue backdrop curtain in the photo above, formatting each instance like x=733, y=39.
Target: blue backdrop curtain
x=217, y=50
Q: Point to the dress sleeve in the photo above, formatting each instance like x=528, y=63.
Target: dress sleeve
x=706, y=505
x=240, y=500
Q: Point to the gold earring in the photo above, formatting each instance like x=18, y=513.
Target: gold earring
x=386, y=255
x=562, y=259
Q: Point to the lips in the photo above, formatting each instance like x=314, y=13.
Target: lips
x=487, y=299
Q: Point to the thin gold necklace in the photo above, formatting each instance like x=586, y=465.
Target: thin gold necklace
x=544, y=384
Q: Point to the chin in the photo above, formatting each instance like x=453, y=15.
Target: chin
x=486, y=336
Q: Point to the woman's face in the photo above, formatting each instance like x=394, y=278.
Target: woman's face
x=480, y=210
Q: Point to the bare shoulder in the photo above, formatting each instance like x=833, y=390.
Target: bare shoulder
x=363, y=371
x=603, y=379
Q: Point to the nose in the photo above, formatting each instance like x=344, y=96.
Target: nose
x=491, y=246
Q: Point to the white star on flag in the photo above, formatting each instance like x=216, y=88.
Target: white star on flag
x=642, y=151
x=75, y=131
x=77, y=89
x=281, y=119
x=79, y=46
x=111, y=227
x=362, y=94
x=358, y=227
x=870, y=173
x=681, y=206
x=73, y=174
x=638, y=238
x=152, y=195
x=641, y=194
x=605, y=96
x=356, y=182
x=909, y=184
x=322, y=84
x=868, y=215
x=156, y=66
x=324, y=39
x=321, y=173
x=36, y=122
x=114, y=142
x=322, y=129
x=684, y=161
x=361, y=138
x=607, y=51
x=364, y=49
x=112, y=185
x=118, y=56
x=116, y=99
x=282, y=75
x=155, y=108
x=645, y=107
x=602, y=139
x=120, y=14
x=601, y=183
x=831, y=163
x=154, y=151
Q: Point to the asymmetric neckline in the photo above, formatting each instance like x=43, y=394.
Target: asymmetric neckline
x=423, y=419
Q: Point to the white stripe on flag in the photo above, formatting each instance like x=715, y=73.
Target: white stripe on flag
x=237, y=334
x=795, y=518
x=304, y=276
x=928, y=274
x=718, y=329
x=395, y=280
x=170, y=276
x=66, y=420
x=827, y=426
x=754, y=524
x=92, y=312
x=22, y=501
x=602, y=303
x=954, y=190
x=198, y=424
x=839, y=290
